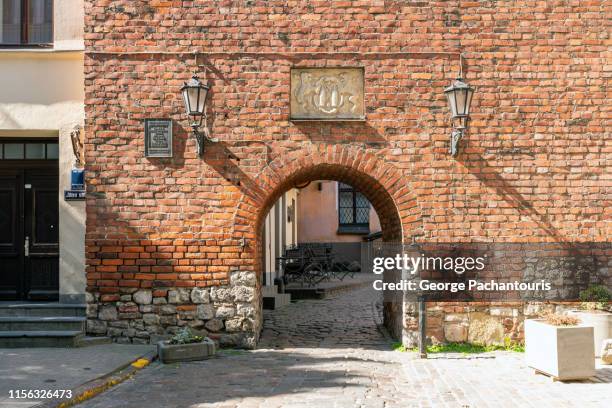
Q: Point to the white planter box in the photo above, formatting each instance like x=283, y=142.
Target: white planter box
x=601, y=323
x=563, y=352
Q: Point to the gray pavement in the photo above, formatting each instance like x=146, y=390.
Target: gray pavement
x=498, y=379
x=328, y=353
x=59, y=368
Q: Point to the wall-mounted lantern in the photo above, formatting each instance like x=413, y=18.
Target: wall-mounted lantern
x=194, y=96
x=459, y=96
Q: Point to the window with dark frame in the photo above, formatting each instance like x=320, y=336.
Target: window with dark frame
x=30, y=150
x=26, y=22
x=353, y=211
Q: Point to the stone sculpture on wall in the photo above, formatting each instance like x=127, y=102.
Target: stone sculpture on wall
x=327, y=94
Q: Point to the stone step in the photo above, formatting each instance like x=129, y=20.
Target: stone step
x=87, y=341
x=40, y=338
x=42, y=323
x=10, y=309
x=269, y=290
x=276, y=301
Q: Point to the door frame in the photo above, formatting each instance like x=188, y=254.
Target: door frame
x=16, y=255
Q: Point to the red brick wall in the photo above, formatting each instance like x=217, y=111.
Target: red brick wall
x=532, y=166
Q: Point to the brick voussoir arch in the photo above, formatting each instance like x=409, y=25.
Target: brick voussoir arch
x=380, y=181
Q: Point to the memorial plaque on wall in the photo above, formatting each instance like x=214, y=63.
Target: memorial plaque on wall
x=158, y=137
x=327, y=94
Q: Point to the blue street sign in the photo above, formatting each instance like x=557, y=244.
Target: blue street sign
x=77, y=179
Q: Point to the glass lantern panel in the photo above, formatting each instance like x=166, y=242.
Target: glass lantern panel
x=193, y=94
x=461, y=95
x=186, y=100
x=470, y=93
x=202, y=100
x=452, y=103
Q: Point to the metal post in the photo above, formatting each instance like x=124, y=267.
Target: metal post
x=422, y=327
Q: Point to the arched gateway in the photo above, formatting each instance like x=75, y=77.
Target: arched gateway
x=379, y=181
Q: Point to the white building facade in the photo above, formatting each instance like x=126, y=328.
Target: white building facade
x=42, y=234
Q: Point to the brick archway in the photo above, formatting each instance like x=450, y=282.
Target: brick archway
x=382, y=184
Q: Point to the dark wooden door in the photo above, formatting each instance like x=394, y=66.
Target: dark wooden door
x=41, y=234
x=29, y=232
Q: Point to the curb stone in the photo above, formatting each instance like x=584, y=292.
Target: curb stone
x=96, y=386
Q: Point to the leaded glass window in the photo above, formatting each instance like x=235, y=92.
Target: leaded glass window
x=353, y=210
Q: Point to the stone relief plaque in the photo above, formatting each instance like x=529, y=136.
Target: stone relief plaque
x=327, y=94
x=158, y=138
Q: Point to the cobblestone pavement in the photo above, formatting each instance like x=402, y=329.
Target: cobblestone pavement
x=328, y=353
x=59, y=368
x=344, y=321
